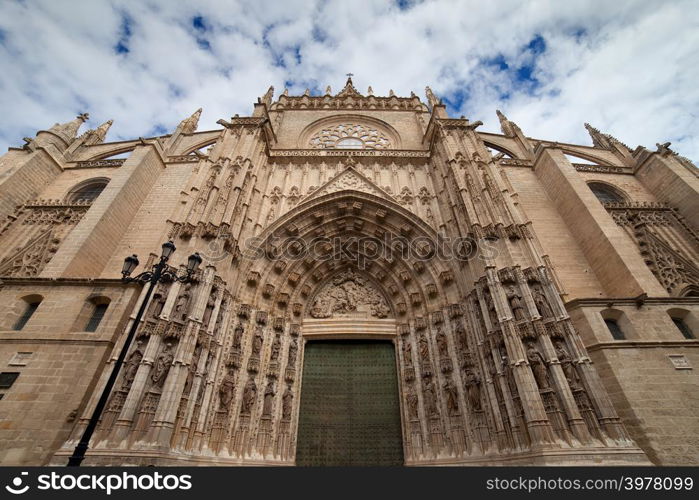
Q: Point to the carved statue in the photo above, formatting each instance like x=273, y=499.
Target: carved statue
x=269, y=399
x=347, y=293
x=491, y=308
x=226, y=389
x=156, y=306
x=442, y=344
x=412, y=401
x=287, y=402
x=452, y=397
x=131, y=366
x=293, y=348
x=238, y=337
x=162, y=365
x=257, y=342
x=408, y=353
x=473, y=388
x=249, y=396
x=515, y=303
x=542, y=303
x=538, y=364
x=276, y=347
x=209, y=310
x=430, y=398
x=567, y=364
x=424, y=348
x=182, y=302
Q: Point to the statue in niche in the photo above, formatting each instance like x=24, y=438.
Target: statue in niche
x=257, y=342
x=408, y=353
x=538, y=364
x=276, y=347
x=249, y=396
x=238, y=337
x=209, y=310
x=473, y=388
x=162, y=365
x=226, y=389
x=451, y=396
x=515, y=301
x=156, y=306
x=542, y=303
x=461, y=336
x=182, y=302
x=411, y=398
x=268, y=399
x=424, y=348
x=566, y=364
x=491, y=308
x=287, y=401
x=131, y=366
x=442, y=343
x=293, y=348
x=347, y=293
x=430, y=398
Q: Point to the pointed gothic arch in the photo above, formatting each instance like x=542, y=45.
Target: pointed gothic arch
x=350, y=230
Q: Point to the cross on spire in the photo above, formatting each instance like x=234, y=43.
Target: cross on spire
x=350, y=75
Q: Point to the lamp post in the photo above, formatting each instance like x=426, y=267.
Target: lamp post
x=160, y=273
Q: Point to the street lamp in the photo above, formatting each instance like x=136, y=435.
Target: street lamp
x=161, y=273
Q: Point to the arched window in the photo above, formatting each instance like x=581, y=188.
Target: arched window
x=617, y=324
x=615, y=329
x=606, y=193
x=31, y=304
x=87, y=191
x=92, y=314
x=683, y=320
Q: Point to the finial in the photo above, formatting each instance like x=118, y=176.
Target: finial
x=328, y=90
x=267, y=98
x=431, y=98
x=391, y=93
x=370, y=91
x=286, y=92
x=189, y=124
x=307, y=92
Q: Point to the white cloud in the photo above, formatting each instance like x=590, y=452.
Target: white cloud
x=629, y=68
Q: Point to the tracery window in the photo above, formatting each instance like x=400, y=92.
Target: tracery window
x=605, y=193
x=350, y=136
x=88, y=192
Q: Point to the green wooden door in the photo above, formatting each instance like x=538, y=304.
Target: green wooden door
x=350, y=413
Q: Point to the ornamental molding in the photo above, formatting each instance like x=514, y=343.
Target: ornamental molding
x=380, y=153
x=100, y=163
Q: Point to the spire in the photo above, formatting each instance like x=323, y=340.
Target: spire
x=509, y=128
x=328, y=90
x=68, y=131
x=370, y=91
x=431, y=98
x=267, y=98
x=96, y=136
x=189, y=125
x=286, y=92
x=601, y=140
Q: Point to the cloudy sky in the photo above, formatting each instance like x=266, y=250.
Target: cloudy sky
x=631, y=68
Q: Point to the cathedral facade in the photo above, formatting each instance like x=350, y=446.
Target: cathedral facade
x=381, y=284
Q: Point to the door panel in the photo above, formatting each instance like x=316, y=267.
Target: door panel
x=350, y=412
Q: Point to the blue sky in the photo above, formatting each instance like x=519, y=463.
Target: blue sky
x=628, y=67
